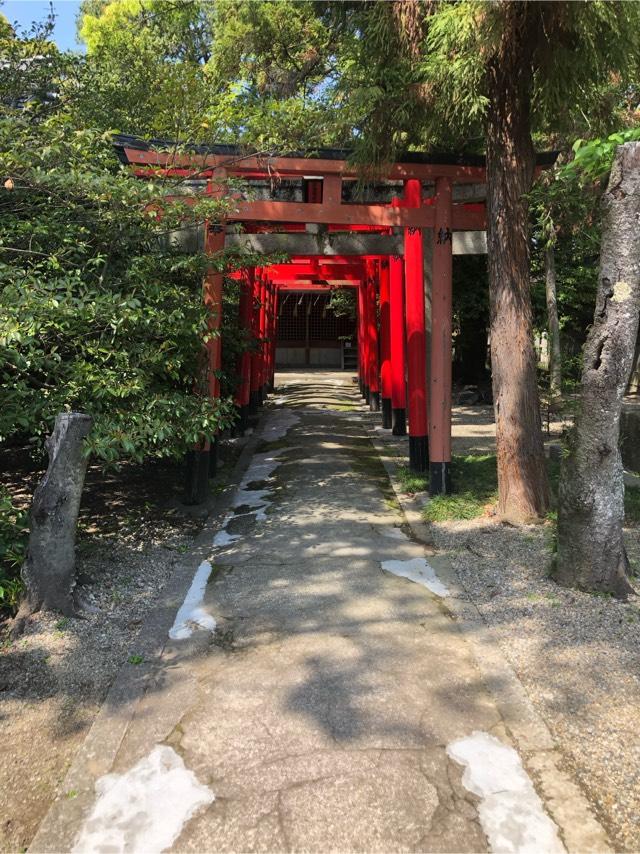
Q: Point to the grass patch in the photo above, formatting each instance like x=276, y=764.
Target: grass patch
x=475, y=480
x=412, y=482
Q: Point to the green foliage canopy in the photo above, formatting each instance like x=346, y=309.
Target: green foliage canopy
x=236, y=71
x=98, y=312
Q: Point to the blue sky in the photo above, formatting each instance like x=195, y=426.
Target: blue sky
x=24, y=12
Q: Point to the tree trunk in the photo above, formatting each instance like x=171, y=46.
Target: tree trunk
x=591, y=553
x=49, y=570
x=522, y=476
x=555, y=354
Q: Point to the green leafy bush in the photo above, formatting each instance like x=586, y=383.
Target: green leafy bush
x=594, y=157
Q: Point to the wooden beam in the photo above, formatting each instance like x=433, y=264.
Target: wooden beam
x=308, y=285
x=315, y=267
x=465, y=217
x=298, y=166
x=332, y=213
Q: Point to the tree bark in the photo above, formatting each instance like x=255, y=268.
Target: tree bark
x=522, y=477
x=591, y=553
x=49, y=570
x=555, y=354
x=633, y=386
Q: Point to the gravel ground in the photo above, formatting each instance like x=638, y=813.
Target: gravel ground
x=578, y=655
x=54, y=678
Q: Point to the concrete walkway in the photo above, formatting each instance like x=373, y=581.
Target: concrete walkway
x=308, y=699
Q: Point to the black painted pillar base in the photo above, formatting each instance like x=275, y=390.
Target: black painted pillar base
x=386, y=413
x=399, y=422
x=196, y=483
x=418, y=453
x=254, y=402
x=361, y=387
x=265, y=391
x=214, y=447
x=366, y=393
x=374, y=401
x=243, y=419
x=440, y=479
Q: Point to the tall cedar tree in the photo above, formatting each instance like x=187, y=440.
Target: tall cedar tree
x=522, y=478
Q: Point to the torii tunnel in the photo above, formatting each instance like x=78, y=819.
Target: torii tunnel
x=395, y=250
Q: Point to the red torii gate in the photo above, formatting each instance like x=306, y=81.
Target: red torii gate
x=396, y=373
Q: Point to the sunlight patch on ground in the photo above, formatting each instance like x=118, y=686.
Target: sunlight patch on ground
x=511, y=813
x=191, y=614
x=144, y=810
x=417, y=569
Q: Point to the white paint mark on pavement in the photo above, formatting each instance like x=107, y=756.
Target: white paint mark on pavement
x=417, y=569
x=261, y=468
x=223, y=538
x=144, y=810
x=251, y=497
x=511, y=813
x=191, y=613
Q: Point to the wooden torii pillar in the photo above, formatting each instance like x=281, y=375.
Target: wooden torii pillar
x=272, y=324
x=256, y=356
x=262, y=332
x=361, y=349
x=441, y=322
x=214, y=301
x=416, y=336
x=372, y=337
x=397, y=331
x=385, y=344
x=243, y=390
x=364, y=289
x=202, y=460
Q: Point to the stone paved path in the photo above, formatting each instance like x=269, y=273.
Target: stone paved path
x=319, y=712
